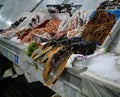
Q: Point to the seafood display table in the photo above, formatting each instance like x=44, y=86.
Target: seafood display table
x=67, y=84
x=92, y=80
x=72, y=83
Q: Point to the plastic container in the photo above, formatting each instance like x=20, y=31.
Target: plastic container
x=61, y=16
x=113, y=32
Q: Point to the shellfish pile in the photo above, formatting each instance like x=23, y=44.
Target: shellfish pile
x=49, y=26
x=99, y=26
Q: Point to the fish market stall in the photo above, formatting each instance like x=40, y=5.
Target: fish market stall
x=77, y=56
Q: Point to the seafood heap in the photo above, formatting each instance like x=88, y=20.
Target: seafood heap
x=56, y=53
x=71, y=29
x=99, y=26
x=49, y=26
x=72, y=25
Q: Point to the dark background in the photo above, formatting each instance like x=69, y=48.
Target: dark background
x=19, y=87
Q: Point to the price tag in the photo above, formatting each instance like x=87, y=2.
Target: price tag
x=0, y=50
x=16, y=58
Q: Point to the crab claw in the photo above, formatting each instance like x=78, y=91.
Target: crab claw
x=48, y=54
x=53, y=69
x=39, y=52
x=50, y=75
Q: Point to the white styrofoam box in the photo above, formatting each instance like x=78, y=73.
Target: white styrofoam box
x=26, y=22
x=64, y=17
x=113, y=32
x=44, y=15
x=25, y=14
x=84, y=15
x=78, y=14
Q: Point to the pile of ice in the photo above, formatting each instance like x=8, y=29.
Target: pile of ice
x=81, y=61
x=104, y=66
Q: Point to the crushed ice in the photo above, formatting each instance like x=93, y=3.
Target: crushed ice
x=104, y=66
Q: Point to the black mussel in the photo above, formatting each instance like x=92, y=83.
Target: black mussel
x=22, y=19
